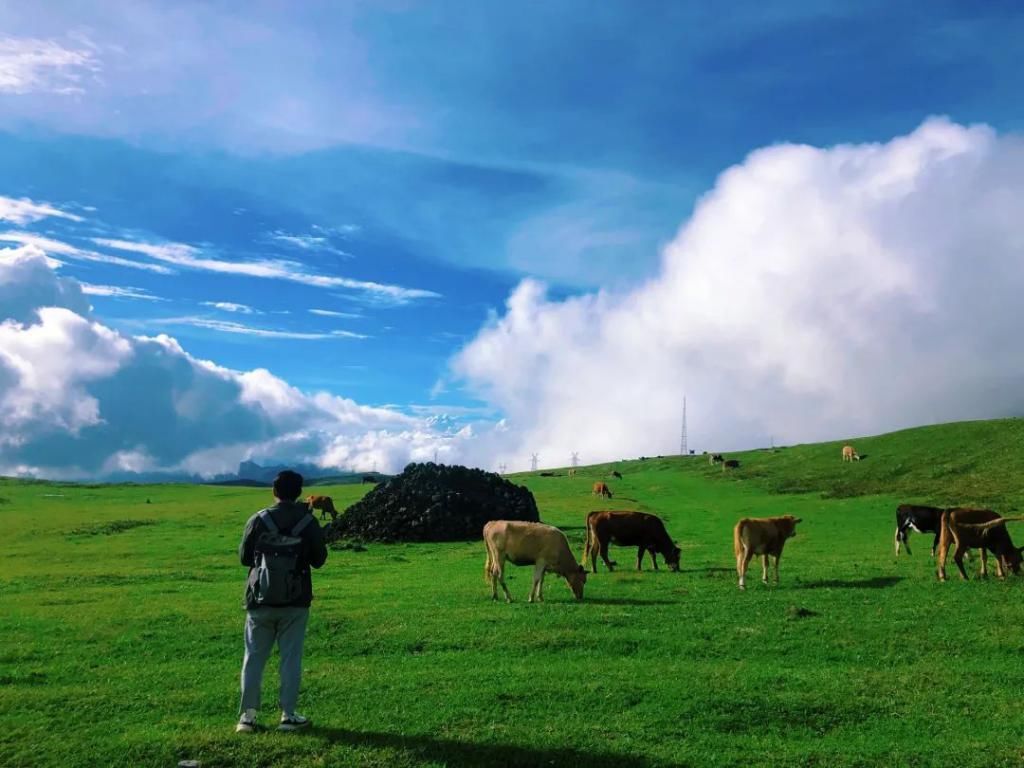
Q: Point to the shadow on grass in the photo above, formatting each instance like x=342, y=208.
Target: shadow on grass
x=707, y=570
x=876, y=582
x=457, y=754
x=625, y=601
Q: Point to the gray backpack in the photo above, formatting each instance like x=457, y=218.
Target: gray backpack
x=280, y=564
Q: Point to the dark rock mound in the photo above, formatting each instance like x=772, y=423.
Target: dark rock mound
x=434, y=502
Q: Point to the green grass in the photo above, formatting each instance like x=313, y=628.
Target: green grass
x=121, y=638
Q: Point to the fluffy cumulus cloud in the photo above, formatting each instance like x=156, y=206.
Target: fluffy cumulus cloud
x=79, y=399
x=814, y=293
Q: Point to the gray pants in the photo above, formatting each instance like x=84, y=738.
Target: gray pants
x=264, y=626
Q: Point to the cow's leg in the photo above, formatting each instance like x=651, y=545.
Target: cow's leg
x=640, y=558
x=935, y=543
x=764, y=568
x=1000, y=571
x=777, y=567
x=741, y=570
x=747, y=556
x=958, y=558
x=538, y=582
x=604, y=555
x=983, y=571
x=500, y=575
x=654, y=559
x=899, y=539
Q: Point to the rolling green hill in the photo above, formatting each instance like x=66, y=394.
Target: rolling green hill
x=121, y=637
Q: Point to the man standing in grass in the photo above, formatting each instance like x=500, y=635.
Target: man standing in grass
x=279, y=546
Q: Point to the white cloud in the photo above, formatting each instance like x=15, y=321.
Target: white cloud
x=318, y=243
x=29, y=65
x=230, y=306
x=49, y=245
x=187, y=256
x=332, y=313
x=78, y=399
x=23, y=211
x=118, y=292
x=814, y=294
x=228, y=326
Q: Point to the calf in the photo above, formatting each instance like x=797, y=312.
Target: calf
x=601, y=489
x=325, y=504
x=542, y=546
x=763, y=536
x=628, y=529
x=913, y=517
x=849, y=454
x=982, y=529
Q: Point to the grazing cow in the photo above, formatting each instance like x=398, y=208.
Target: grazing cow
x=616, y=474
x=761, y=536
x=628, y=529
x=542, y=546
x=547, y=474
x=913, y=517
x=325, y=504
x=982, y=529
x=849, y=454
x=601, y=489
x=730, y=464
x=715, y=458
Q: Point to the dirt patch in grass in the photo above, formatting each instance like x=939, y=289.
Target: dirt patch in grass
x=109, y=528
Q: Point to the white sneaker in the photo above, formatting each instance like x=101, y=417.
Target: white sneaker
x=247, y=722
x=293, y=722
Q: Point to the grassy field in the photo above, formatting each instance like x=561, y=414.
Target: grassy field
x=121, y=638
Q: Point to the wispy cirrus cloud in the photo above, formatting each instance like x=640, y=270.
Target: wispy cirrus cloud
x=332, y=313
x=33, y=65
x=188, y=256
x=50, y=246
x=119, y=292
x=228, y=326
x=312, y=243
x=23, y=211
x=230, y=306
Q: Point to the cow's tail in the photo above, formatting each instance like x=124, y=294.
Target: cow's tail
x=586, y=543
x=737, y=540
x=488, y=562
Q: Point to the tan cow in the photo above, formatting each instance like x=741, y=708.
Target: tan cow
x=983, y=529
x=849, y=454
x=572, y=473
x=542, y=546
x=601, y=489
x=325, y=504
x=763, y=536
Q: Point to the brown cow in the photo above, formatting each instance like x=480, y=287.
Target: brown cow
x=601, y=489
x=325, y=504
x=542, y=546
x=628, y=529
x=982, y=529
x=761, y=536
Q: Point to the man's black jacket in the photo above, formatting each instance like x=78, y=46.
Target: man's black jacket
x=285, y=515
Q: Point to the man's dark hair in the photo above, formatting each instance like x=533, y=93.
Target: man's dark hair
x=288, y=485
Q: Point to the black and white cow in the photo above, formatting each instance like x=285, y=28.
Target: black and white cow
x=914, y=517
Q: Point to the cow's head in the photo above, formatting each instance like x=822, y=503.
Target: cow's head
x=672, y=558
x=1013, y=558
x=577, y=578
x=792, y=526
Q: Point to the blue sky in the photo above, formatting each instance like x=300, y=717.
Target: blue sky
x=400, y=167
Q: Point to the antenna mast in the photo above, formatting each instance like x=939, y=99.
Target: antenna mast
x=682, y=436
x=533, y=462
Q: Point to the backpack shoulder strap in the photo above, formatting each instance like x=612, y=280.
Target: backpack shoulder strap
x=268, y=521
x=306, y=520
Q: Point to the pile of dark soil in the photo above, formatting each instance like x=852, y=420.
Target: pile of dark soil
x=434, y=502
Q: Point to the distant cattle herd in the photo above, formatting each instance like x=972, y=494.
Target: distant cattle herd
x=547, y=549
